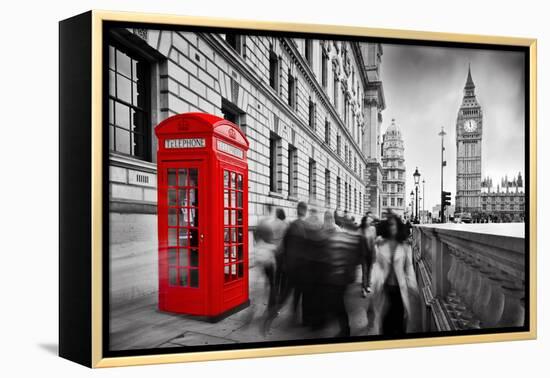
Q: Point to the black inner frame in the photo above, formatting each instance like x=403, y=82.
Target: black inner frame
x=107, y=39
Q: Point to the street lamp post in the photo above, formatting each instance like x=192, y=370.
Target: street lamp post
x=416, y=176
x=423, y=201
x=442, y=134
x=412, y=205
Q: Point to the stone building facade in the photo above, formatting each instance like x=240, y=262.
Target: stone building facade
x=503, y=203
x=393, y=168
x=311, y=110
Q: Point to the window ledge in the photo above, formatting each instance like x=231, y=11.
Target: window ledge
x=292, y=198
x=131, y=162
x=276, y=195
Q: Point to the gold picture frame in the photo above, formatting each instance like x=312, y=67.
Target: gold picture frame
x=98, y=17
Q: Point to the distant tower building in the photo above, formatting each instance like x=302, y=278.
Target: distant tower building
x=469, y=127
x=393, y=166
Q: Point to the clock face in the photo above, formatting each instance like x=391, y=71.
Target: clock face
x=470, y=125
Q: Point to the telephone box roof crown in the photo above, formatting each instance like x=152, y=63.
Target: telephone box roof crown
x=202, y=123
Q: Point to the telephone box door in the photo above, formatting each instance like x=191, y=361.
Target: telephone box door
x=182, y=260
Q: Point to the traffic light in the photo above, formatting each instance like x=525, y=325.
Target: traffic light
x=445, y=201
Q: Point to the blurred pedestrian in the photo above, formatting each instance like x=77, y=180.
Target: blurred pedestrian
x=292, y=259
x=329, y=223
x=264, y=254
x=343, y=253
x=308, y=273
x=368, y=230
x=395, y=298
x=279, y=226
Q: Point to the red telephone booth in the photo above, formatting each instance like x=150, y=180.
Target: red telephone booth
x=202, y=215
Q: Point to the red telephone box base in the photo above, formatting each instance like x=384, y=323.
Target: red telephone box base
x=215, y=318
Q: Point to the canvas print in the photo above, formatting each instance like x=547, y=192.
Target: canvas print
x=273, y=189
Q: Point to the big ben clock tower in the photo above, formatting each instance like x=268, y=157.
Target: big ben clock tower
x=469, y=127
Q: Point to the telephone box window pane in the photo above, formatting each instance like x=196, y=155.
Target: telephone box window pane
x=240, y=217
x=240, y=270
x=193, y=177
x=233, y=177
x=226, y=217
x=226, y=198
x=194, y=197
x=172, y=216
x=172, y=256
x=226, y=273
x=183, y=277
x=240, y=235
x=240, y=182
x=226, y=179
x=184, y=217
x=182, y=177
x=239, y=199
x=194, y=237
x=233, y=198
x=233, y=253
x=122, y=141
x=240, y=252
x=184, y=258
x=233, y=235
x=172, y=276
x=182, y=195
x=194, y=258
x=184, y=237
x=233, y=217
x=172, y=177
x=194, y=217
x=171, y=197
x=233, y=269
x=172, y=237
x=194, y=278
x=226, y=235
x=226, y=253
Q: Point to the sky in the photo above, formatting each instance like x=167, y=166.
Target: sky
x=423, y=88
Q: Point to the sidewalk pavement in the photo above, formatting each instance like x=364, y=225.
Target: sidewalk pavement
x=139, y=325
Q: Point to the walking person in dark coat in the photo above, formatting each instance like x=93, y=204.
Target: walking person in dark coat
x=293, y=252
x=343, y=252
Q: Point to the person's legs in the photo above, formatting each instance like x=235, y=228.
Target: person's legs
x=393, y=322
x=308, y=299
x=341, y=311
x=280, y=296
x=269, y=272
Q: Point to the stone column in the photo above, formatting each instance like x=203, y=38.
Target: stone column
x=513, y=313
